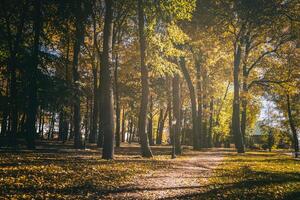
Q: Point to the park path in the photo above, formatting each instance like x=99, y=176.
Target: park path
x=183, y=177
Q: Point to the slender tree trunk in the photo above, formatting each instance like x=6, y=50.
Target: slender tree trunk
x=211, y=111
x=176, y=114
x=205, y=110
x=236, y=129
x=150, y=123
x=200, y=103
x=145, y=148
x=118, y=109
x=4, y=123
x=170, y=105
x=79, y=37
x=130, y=130
x=159, y=123
x=43, y=125
x=123, y=126
x=60, y=126
x=95, y=113
x=193, y=103
x=292, y=126
x=40, y=122
x=107, y=108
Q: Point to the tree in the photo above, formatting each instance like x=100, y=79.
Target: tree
x=145, y=149
x=176, y=114
x=32, y=79
x=79, y=36
x=106, y=105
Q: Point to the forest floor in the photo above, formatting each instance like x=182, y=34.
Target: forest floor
x=56, y=171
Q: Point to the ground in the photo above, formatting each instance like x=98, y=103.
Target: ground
x=60, y=172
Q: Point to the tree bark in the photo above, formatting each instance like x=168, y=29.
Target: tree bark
x=123, y=126
x=236, y=129
x=79, y=37
x=211, y=111
x=118, y=109
x=95, y=110
x=292, y=126
x=161, y=124
x=176, y=114
x=13, y=112
x=200, y=103
x=193, y=103
x=33, y=101
x=244, y=102
x=150, y=123
x=145, y=148
x=106, y=107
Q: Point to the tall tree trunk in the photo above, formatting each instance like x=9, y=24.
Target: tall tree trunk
x=106, y=85
x=123, y=126
x=170, y=105
x=193, y=102
x=13, y=122
x=145, y=148
x=236, y=129
x=159, y=123
x=176, y=114
x=79, y=37
x=244, y=103
x=117, y=98
x=33, y=102
x=200, y=103
x=292, y=126
x=150, y=123
x=205, y=114
x=95, y=113
x=211, y=112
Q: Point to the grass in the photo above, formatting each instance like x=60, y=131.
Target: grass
x=82, y=174
x=68, y=175
x=256, y=175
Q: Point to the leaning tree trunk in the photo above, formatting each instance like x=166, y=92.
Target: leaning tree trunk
x=106, y=106
x=161, y=125
x=193, y=102
x=79, y=36
x=292, y=126
x=176, y=114
x=236, y=129
x=145, y=148
x=32, y=77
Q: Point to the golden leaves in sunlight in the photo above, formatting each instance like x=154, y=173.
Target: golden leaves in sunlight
x=63, y=176
x=257, y=175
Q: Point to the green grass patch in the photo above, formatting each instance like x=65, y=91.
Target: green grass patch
x=256, y=175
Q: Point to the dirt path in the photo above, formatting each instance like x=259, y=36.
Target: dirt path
x=184, y=176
